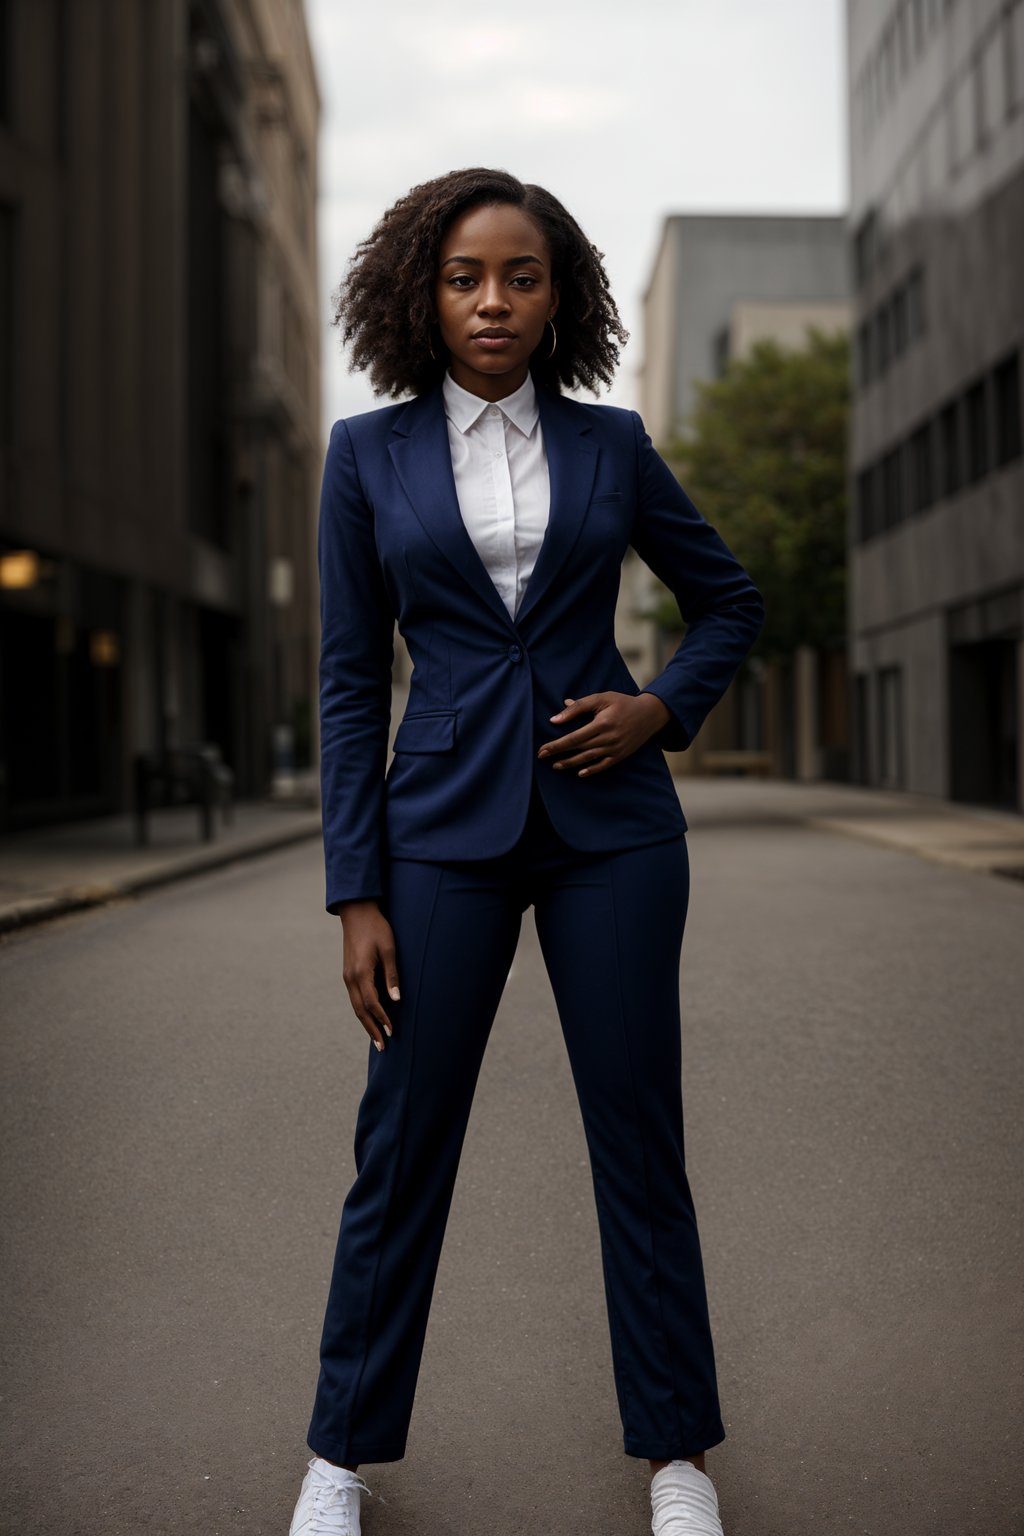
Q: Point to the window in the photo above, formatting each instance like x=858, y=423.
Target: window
x=899, y=320
x=893, y=501
x=1006, y=389
x=864, y=354
x=883, y=337
x=864, y=248
x=864, y=524
x=915, y=304
x=922, y=488
x=877, y=500
x=977, y=433
x=950, y=465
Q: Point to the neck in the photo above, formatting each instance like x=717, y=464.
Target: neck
x=487, y=388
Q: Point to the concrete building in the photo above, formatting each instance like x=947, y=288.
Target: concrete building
x=160, y=442
x=719, y=278
x=719, y=284
x=937, y=533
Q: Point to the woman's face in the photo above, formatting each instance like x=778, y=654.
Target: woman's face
x=494, y=295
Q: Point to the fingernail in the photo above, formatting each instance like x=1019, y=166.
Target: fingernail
x=561, y=712
x=394, y=992
x=387, y=1030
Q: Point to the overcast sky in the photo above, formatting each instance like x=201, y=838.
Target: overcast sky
x=627, y=110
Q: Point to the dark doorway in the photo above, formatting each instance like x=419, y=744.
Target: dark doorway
x=984, y=722
x=60, y=720
x=217, y=640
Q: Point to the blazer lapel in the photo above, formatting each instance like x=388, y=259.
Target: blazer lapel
x=572, y=461
x=422, y=461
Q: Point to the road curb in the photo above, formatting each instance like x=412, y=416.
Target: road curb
x=1010, y=865
x=32, y=910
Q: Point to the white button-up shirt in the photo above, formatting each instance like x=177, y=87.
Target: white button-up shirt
x=501, y=479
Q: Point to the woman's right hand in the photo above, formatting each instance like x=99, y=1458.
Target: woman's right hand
x=369, y=941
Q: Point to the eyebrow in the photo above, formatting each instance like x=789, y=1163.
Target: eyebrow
x=474, y=261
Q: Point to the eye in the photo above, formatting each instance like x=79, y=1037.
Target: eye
x=525, y=280
x=460, y=280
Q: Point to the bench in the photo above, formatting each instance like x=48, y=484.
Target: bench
x=737, y=761
x=195, y=775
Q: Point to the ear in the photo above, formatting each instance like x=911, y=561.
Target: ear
x=556, y=293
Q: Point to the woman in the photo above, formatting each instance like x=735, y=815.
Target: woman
x=489, y=516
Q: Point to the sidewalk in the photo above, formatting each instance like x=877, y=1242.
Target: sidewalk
x=968, y=837
x=47, y=871
x=53, y=870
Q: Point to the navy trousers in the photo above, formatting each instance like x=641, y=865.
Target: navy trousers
x=610, y=928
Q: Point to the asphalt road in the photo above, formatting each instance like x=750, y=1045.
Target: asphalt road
x=180, y=1078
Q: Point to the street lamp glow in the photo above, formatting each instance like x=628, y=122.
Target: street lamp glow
x=19, y=569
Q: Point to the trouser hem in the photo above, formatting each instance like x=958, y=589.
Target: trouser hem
x=665, y=1450
x=343, y=1451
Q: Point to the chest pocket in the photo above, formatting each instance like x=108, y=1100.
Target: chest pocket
x=428, y=730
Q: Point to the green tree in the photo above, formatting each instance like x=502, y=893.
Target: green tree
x=765, y=462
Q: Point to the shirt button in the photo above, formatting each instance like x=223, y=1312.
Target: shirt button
x=493, y=411
x=514, y=653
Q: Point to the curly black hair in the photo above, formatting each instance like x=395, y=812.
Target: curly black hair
x=393, y=341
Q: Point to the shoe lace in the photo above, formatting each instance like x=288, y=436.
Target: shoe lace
x=334, y=1506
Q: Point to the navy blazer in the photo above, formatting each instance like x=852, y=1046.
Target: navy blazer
x=391, y=545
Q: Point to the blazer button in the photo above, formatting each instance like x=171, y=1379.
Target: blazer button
x=514, y=653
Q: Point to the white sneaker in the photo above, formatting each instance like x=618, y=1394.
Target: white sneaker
x=684, y=1502
x=328, y=1502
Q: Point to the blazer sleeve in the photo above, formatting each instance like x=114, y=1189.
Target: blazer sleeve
x=723, y=610
x=356, y=655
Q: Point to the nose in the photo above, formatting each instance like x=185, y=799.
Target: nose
x=492, y=299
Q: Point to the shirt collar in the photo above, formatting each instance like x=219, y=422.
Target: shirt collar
x=464, y=409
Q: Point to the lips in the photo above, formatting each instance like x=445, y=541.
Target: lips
x=494, y=339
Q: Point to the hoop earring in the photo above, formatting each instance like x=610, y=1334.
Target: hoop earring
x=554, y=341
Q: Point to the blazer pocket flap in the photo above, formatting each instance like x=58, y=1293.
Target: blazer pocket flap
x=426, y=731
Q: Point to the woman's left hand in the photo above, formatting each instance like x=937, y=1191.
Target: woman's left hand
x=622, y=722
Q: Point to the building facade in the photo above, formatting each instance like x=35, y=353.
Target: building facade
x=711, y=275
x=720, y=283
x=937, y=528
x=160, y=441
